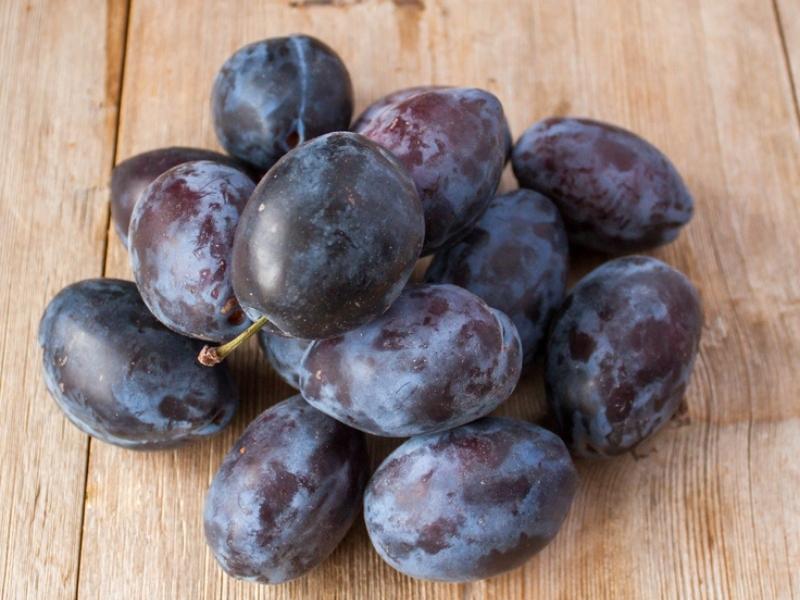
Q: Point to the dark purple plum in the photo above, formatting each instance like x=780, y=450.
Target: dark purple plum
x=616, y=192
x=130, y=178
x=438, y=358
x=274, y=94
x=516, y=259
x=181, y=239
x=374, y=109
x=121, y=376
x=365, y=119
x=454, y=142
x=284, y=355
x=286, y=493
x=620, y=354
x=328, y=239
x=472, y=502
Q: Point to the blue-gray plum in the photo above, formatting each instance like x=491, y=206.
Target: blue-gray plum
x=516, y=259
x=121, y=376
x=438, y=358
x=328, y=239
x=286, y=493
x=130, y=178
x=621, y=353
x=181, y=240
x=471, y=502
x=616, y=192
x=454, y=143
x=284, y=355
x=273, y=95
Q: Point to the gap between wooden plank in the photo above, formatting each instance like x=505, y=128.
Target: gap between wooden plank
x=787, y=60
x=115, y=144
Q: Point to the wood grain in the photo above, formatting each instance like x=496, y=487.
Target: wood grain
x=788, y=14
x=707, y=509
x=58, y=106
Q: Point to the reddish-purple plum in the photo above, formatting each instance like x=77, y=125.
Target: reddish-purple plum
x=438, y=358
x=328, y=239
x=181, y=240
x=121, y=376
x=516, y=259
x=130, y=178
x=274, y=94
x=616, y=192
x=284, y=355
x=472, y=502
x=374, y=109
x=454, y=143
x=620, y=354
x=286, y=493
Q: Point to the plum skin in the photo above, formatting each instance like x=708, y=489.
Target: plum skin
x=616, y=192
x=130, y=178
x=122, y=377
x=621, y=353
x=284, y=354
x=275, y=94
x=516, y=259
x=373, y=110
x=471, y=502
x=181, y=240
x=454, y=142
x=286, y=493
x=438, y=358
x=328, y=239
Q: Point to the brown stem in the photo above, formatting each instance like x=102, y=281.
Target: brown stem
x=213, y=355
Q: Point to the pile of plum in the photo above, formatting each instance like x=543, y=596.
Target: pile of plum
x=308, y=233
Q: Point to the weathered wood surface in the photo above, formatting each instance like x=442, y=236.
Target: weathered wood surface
x=788, y=15
x=58, y=118
x=708, y=509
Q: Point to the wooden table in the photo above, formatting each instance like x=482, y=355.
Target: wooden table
x=709, y=509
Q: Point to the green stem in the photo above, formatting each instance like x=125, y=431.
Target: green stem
x=213, y=355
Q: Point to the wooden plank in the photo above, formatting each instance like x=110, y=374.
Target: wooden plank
x=715, y=494
x=788, y=14
x=58, y=107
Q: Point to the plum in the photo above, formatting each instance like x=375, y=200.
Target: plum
x=621, y=353
x=471, y=502
x=286, y=493
x=121, y=376
x=616, y=192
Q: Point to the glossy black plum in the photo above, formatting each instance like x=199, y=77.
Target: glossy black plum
x=616, y=192
x=121, y=376
x=328, y=239
x=621, y=353
x=286, y=493
x=284, y=355
x=438, y=358
x=274, y=94
x=181, y=240
x=130, y=178
x=454, y=142
x=516, y=259
x=471, y=502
